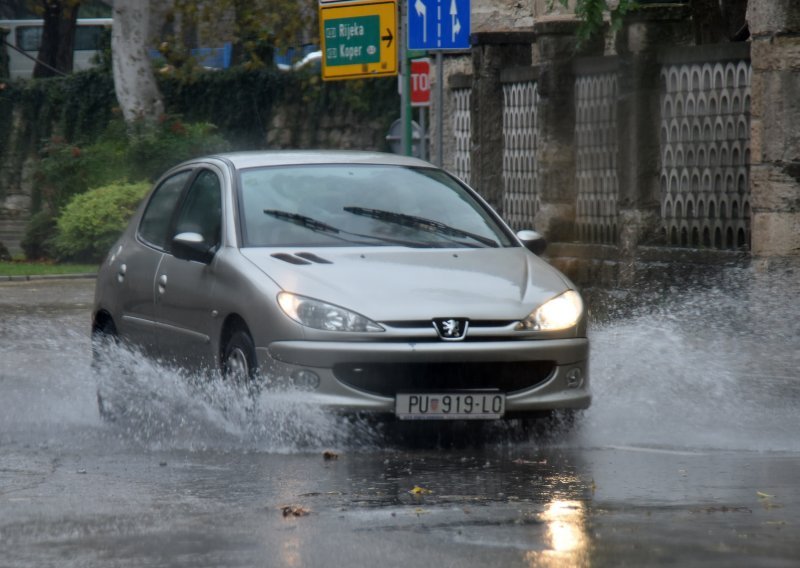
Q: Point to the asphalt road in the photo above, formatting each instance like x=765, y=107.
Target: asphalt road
x=690, y=456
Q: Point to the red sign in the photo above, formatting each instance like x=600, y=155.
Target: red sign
x=420, y=82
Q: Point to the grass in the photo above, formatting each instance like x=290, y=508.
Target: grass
x=23, y=268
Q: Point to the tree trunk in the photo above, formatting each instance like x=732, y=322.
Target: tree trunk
x=58, y=38
x=134, y=82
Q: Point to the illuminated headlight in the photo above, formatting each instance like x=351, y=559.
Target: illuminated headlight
x=320, y=315
x=562, y=312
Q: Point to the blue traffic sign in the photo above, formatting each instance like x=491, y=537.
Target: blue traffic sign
x=438, y=24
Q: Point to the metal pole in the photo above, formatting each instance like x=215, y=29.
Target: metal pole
x=439, y=107
x=423, y=152
x=405, y=120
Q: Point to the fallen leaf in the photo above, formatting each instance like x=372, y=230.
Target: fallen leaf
x=294, y=511
x=420, y=490
x=328, y=455
x=764, y=495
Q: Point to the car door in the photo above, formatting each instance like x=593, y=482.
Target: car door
x=138, y=260
x=185, y=308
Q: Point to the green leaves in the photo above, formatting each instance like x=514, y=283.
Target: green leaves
x=592, y=14
x=92, y=221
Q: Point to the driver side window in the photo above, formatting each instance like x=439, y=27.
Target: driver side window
x=202, y=210
x=155, y=221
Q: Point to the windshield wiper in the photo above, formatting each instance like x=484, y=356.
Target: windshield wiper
x=322, y=227
x=422, y=223
x=302, y=220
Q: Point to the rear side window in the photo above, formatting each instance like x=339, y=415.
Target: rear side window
x=155, y=221
x=29, y=38
x=88, y=38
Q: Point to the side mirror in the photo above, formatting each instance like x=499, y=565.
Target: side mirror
x=191, y=246
x=532, y=241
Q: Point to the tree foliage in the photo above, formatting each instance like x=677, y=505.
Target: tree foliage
x=256, y=28
x=592, y=14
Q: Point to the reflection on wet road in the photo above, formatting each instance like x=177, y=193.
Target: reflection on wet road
x=689, y=455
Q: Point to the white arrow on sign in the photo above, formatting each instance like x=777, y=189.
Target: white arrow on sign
x=422, y=12
x=456, y=25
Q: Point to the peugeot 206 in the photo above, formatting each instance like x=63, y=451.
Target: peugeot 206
x=373, y=283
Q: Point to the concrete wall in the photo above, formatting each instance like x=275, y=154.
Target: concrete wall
x=775, y=126
x=500, y=31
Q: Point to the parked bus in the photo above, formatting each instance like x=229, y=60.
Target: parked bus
x=25, y=36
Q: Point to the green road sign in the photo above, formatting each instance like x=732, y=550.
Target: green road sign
x=358, y=39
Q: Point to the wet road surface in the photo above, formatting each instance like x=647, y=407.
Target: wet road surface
x=690, y=456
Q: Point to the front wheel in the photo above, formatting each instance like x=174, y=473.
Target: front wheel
x=239, y=363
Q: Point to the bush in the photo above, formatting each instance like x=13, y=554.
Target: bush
x=92, y=221
x=38, y=240
x=119, y=155
x=152, y=150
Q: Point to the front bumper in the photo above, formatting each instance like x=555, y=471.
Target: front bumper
x=555, y=391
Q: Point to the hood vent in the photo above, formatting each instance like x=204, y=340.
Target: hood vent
x=300, y=258
x=312, y=257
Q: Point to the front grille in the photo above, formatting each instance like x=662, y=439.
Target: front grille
x=387, y=379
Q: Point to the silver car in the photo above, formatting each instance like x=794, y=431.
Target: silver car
x=372, y=282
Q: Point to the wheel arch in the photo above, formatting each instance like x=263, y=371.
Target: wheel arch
x=233, y=323
x=101, y=319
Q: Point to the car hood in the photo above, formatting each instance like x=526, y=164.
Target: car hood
x=395, y=283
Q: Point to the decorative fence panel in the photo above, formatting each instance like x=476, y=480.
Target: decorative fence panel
x=705, y=154
x=462, y=131
x=596, y=153
x=520, y=198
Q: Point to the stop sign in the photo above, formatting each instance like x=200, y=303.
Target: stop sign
x=420, y=82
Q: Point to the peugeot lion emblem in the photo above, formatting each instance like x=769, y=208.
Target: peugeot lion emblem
x=451, y=329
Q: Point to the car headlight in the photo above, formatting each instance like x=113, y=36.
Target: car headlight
x=562, y=312
x=321, y=315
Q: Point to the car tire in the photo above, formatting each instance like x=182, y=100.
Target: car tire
x=239, y=363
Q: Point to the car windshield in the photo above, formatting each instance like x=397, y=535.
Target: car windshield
x=373, y=205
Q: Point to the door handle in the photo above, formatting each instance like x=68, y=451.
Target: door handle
x=121, y=271
x=162, y=283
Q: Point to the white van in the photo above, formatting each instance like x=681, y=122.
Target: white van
x=25, y=37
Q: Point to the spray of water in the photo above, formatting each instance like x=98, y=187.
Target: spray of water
x=711, y=364
x=165, y=407
x=706, y=364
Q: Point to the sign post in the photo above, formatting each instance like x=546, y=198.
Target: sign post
x=438, y=26
x=359, y=39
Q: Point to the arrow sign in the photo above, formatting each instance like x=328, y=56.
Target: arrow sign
x=439, y=25
x=455, y=24
x=357, y=39
x=422, y=12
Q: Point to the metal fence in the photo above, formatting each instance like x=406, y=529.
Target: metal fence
x=705, y=154
x=520, y=198
x=462, y=131
x=596, y=153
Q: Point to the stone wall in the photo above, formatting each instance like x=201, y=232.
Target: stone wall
x=775, y=126
x=610, y=175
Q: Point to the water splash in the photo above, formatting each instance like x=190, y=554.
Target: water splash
x=710, y=364
x=164, y=407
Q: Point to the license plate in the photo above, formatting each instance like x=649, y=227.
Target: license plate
x=450, y=406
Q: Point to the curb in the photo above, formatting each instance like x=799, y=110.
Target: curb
x=47, y=277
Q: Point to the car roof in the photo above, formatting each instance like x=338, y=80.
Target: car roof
x=242, y=160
